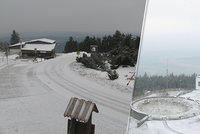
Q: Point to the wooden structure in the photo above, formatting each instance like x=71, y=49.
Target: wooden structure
x=80, y=113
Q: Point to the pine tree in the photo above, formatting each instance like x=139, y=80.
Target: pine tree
x=3, y=46
x=14, y=38
x=71, y=45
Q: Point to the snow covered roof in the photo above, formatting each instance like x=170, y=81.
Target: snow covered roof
x=80, y=109
x=17, y=44
x=43, y=40
x=39, y=47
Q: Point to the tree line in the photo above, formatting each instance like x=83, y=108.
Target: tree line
x=146, y=82
x=105, y=44
x=122, y=49
x=14, y=38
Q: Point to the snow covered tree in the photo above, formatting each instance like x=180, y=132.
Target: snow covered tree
x=14, y=38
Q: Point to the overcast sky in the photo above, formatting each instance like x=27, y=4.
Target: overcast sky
x=71, y=15
x=171, y=36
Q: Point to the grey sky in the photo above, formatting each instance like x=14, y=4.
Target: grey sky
x=171, y=35
x=71, y=15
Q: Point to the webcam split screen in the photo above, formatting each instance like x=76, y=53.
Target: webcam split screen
x=99, y=67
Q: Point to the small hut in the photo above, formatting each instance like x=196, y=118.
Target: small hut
x=80, y=113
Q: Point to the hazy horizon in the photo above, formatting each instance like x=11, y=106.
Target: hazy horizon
x=171, y=38
x=71, y=15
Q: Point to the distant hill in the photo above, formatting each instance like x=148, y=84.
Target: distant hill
x=60, y=37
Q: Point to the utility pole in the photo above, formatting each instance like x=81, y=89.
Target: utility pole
x=167, y=75
x=35, y=54
x=6, y=54
x=20, y=53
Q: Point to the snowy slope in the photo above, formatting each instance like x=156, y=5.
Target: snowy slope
x=33, y=96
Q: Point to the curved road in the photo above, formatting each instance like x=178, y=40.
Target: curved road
x=34, y=96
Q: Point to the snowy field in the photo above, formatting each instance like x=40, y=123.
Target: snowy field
x=34, y=96
x=183, y=126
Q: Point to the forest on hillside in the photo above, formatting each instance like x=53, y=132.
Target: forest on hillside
x=119, y=48
x=105, y=44
x=144, y=83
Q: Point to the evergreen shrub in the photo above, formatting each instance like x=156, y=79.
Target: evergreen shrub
x=112, y=74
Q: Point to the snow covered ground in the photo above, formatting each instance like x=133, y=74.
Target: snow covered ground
x=4, y=61
x=102, y=78
x=183, y=126
x=33, y=96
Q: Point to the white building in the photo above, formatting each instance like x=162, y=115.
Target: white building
x=43, y=48
x=198, y=82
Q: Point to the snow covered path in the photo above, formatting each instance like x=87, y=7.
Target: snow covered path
x=33, y=98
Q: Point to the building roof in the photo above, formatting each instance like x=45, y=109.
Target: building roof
x=39, y=47
x=43, y=40
x=80, y=109
x=17, y=44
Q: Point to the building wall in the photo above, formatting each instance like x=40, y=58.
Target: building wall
x=31, y=53
x=198, y=82
x=14, y=51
